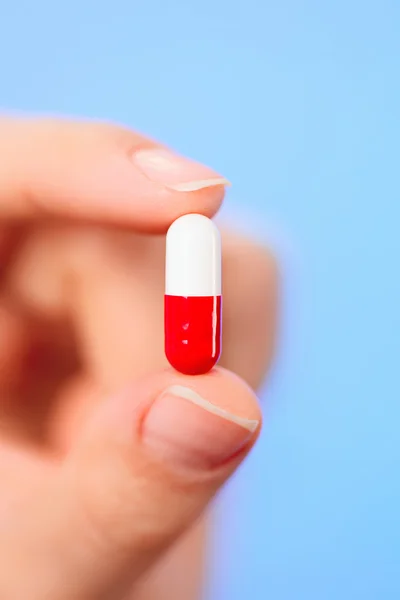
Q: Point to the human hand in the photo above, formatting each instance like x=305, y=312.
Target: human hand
x=105, y=458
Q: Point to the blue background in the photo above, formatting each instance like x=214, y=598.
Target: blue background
x=298, y=104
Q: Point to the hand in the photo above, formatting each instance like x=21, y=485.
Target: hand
x=107, y=455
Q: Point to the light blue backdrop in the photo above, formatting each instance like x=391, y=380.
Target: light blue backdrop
x=297, y=102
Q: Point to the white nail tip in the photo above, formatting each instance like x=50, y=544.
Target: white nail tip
x=192, y=396
x=194, y=186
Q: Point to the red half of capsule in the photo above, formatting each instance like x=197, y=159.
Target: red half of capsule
x=192, y=332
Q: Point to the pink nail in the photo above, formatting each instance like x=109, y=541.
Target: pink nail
x=176, y=172
x=188, y=431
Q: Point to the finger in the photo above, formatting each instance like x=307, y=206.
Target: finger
x=10, y=237
x=35, y=358
x=250, y=309
x=5, y=242
x=99, y=172
x=139, y=475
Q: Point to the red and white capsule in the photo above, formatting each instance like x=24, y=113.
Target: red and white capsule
x=193, y=295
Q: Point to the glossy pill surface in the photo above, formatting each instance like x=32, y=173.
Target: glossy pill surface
x=192, y=307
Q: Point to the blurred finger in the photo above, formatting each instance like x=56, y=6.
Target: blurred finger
x=10, y=236
x=34, y=358
x=251, y=308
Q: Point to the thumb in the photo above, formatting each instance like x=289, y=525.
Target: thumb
x=143, y=471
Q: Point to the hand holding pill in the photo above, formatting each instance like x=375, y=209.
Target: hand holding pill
x=109, y=455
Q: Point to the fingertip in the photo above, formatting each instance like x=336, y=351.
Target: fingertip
x=99, y=172
x=221, y=387
x=168, y=205
x=224, y=392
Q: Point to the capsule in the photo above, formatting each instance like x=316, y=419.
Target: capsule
x=192, y=307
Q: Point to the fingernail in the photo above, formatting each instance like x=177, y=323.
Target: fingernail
x=176, y=172
x=188, y=431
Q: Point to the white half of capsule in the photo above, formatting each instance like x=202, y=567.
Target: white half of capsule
x=193, y=257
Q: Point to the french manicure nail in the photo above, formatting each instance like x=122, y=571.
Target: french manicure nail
x=191, y=432
x=176, y=172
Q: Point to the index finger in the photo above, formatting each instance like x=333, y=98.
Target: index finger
x=98, y=172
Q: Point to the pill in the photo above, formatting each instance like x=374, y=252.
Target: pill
x=192, y=303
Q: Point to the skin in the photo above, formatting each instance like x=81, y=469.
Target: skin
x=81, y=361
